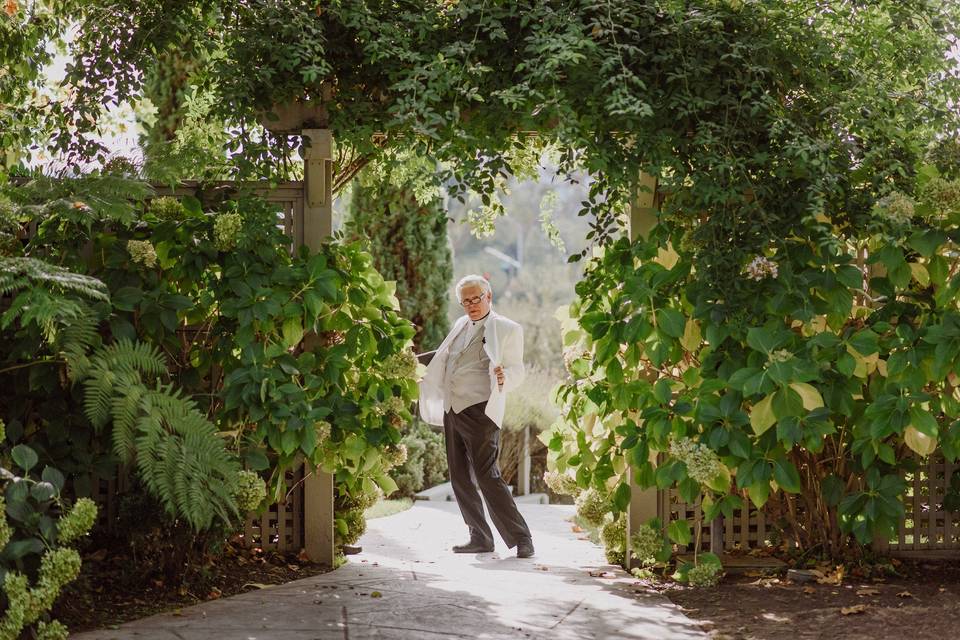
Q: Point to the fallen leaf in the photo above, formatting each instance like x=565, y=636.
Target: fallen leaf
x=302, y=556
x=868, y=591
x=177, y=612
x=834, y=577
x=376, y=594
x=576, y=529
x=855, y=609
x=98, y=556
x=601, y=574
x=256, y=585
x=904, y=594
x=809, y=590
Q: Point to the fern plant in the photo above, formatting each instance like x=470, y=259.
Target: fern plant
x=174, y=448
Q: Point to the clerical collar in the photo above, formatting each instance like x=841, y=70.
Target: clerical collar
x=474, y=323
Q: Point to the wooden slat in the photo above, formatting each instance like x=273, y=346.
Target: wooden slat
x=281, y=525
x=934, y=504
x=949, y=518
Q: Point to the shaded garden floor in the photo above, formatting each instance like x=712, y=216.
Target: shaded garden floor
x=921, y=604
x=102, y=598
x=408, y=585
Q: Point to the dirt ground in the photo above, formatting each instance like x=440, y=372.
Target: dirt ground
x=922, y=602
x=97, y=599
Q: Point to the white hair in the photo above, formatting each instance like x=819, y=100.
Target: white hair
x=473, y=279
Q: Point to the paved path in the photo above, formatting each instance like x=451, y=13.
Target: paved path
x=407, y=585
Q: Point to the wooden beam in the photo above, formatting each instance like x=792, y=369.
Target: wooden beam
x=318, y=538
x=644, y=503
x=523, y=466
x=318, y=185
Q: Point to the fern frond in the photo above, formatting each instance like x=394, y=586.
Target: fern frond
x=77, y=338
x=183, y=461
x=22, y=273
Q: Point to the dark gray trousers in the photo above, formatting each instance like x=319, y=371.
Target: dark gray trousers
x=473, y=442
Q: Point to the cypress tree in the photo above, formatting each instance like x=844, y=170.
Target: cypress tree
x=399, y=211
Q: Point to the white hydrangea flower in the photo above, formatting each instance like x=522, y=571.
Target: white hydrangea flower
x=225, y=230
x=895, y=208
x=703, y=463
x=646, y=543
x=561, y=483
x=142, y=252
x=780, y=355
x=761, y=268
x=704, y=575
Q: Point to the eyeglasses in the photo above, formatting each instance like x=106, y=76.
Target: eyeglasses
x=471, y=301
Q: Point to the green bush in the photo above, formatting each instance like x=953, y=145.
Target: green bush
x=37, y=528
x=426, y=462
x=397, y=211
x=188, y=339
x=829, y=376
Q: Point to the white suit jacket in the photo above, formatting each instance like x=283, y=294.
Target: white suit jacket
x=503, y=342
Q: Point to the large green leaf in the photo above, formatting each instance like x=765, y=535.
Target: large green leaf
x=671, y=322
x=762, y=416
x=24, y=457
x=786, y=476
x=679, y=532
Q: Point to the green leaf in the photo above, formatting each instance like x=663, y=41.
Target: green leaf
x=43, y=491
x=621, y=497
x=927, y=242
x=762, y=416
x=292, y=332
x=763, y=339
x=759, y=492
x=787, y=402
x=20, y=548
x=671, y=322
x=850, y=276
x=679, y=532
x=662, y=391
x=127, y=298
x=54, y=477
x=923, y=421
x=256, y=460
x=386, y=483
x=24, y=457
x=832, y=489
x=810, y=397
x=289, y=441
x=786, y=476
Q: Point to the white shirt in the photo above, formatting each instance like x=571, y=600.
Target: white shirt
x=467, y=335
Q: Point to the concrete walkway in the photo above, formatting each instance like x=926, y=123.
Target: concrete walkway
x=407, y=585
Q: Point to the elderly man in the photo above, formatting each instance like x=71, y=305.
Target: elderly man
x=464, y=389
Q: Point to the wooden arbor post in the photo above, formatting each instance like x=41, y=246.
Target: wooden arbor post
x=318, y=540
x=523, y=464
x=643, y=502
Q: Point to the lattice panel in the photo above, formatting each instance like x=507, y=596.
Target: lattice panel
x=926, y=526
x=746, y=530
x=104, y=493
x=280, y=528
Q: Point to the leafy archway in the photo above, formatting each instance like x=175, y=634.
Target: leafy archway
x=789, y=135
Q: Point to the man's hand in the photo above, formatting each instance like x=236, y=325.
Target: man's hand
x=499, y=371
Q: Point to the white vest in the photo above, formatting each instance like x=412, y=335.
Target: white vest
x=503, y=343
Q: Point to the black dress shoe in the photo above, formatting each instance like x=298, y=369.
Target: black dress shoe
x=525, y=548
x=474, y=546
